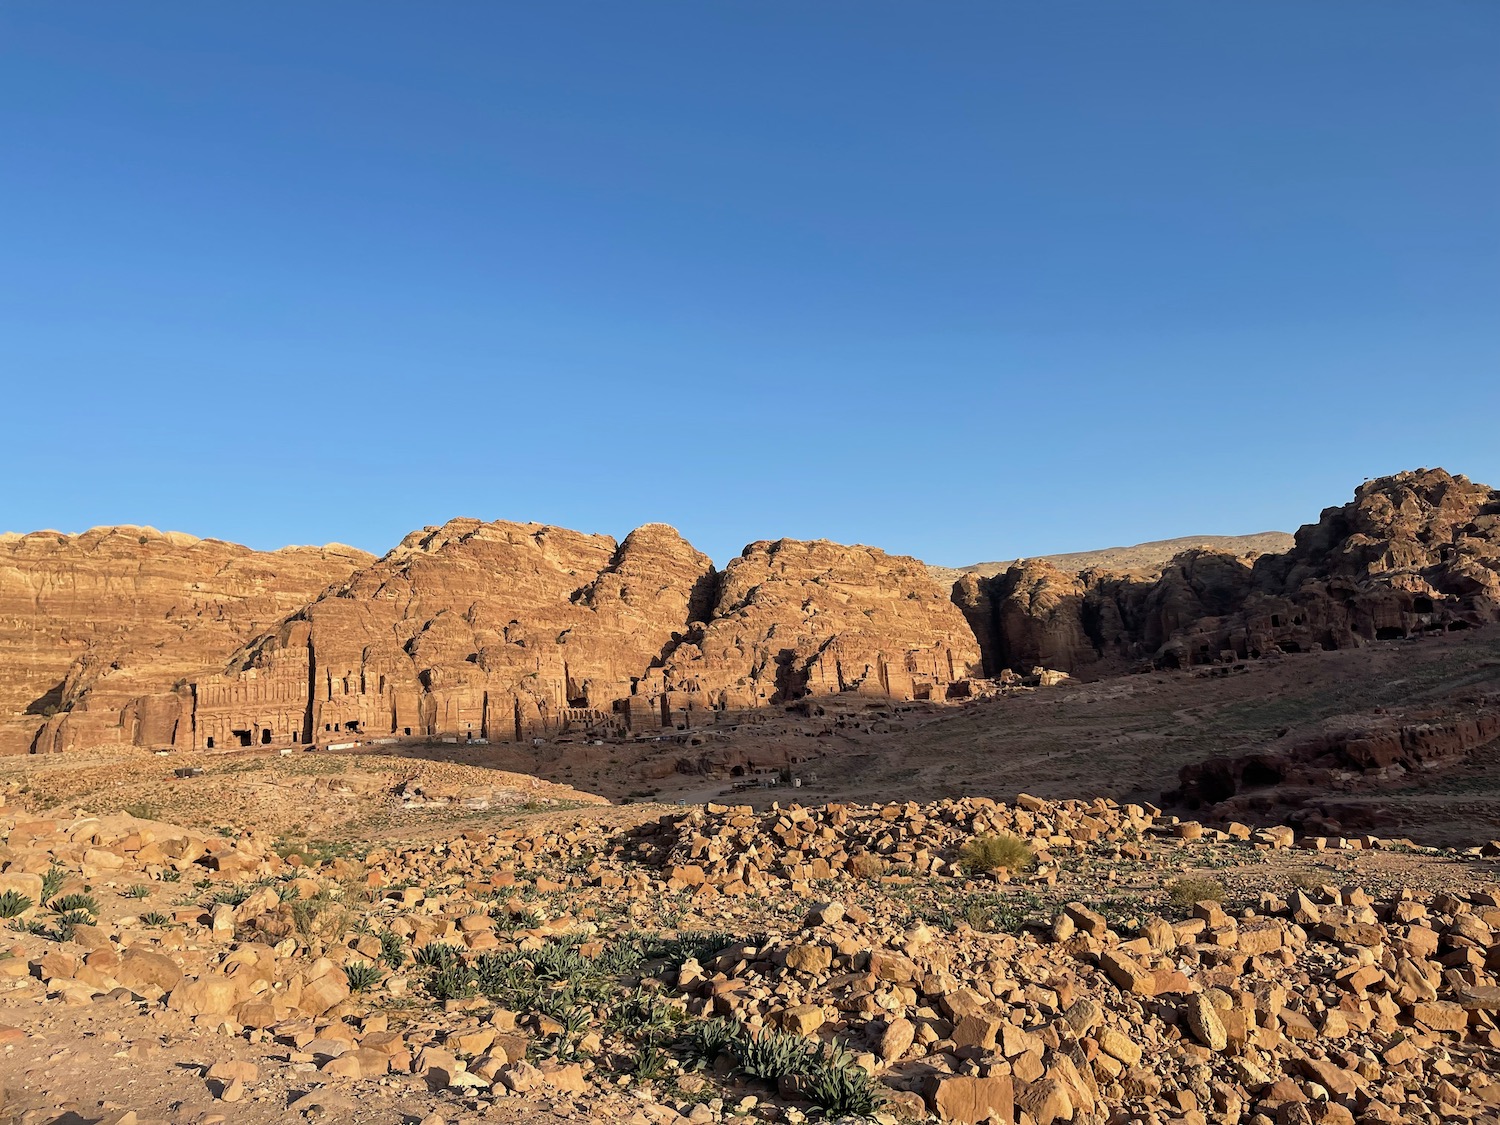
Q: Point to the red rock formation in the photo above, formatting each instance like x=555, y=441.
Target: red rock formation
x=505, y=631
x=1269, y=784
x=97, y=630
x=476, y=630
x=1412, y=553
x=795, y=618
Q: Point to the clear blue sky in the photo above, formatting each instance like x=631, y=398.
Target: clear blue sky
x=962, y=280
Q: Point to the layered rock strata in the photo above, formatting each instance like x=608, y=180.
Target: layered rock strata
x=508, y=632
x=100, y=631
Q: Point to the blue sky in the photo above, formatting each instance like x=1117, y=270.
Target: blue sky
x=965, y=281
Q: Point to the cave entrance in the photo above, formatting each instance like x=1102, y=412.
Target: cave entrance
x=1258, y=775
x=265, y=737
x=210, y=744
x=1421, y=604
x=1389, y=633
x=243, y=735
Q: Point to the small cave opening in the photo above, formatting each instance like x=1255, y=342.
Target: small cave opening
x=1259, y=775
x=1389, y=633
x=243, y=735
x=1422, y=604
x=265, y=738
x=210, y=742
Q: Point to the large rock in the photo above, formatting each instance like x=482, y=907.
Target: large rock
x=99, y=631
x=967, y=1100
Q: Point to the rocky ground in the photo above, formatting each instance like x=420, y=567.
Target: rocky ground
x=656, y=964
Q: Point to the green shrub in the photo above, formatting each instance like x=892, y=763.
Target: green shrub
x=155, y=919
x=69, y=920
x=454, y=981
x=52, y=882
x=708, y=1040
x=985, y=854
x=840, y=1087
x=649, y=1063
x=138, y=890
x=772, y=1055
x=362, y=975
x=392, y=949
x=75, y=904
x=1189, y=889
x=13, y=904
x=437, y=955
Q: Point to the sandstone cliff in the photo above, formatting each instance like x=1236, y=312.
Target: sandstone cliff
x=796, y=618
x=96, y=630
x=1412, y=553
x=507, y=631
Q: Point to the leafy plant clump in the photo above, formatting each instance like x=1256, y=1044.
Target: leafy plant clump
x=825, y=1074
x=75, y=904
x=362, y=975
x=1186, y=890
x=392, y=949
x=13, y=904
x=137, y=890
x=155, y=919
x=52, y=882
x=986, y=854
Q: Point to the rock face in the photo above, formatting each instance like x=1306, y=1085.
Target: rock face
x=1305, y=783
x=796, y=618
x=1414, y=553
x=474, y=630
x=96, y=629
x=505, y=632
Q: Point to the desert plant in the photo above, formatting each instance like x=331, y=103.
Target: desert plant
x=155, y=919
x=437, y=955
x=643, y=1015
x=68, y=922
x=708, y=1040
x=1186, y=890
x=171, y=875
x=137, y=890
x=866, y=865
x=772, y=1055
x=52, y=882
x=453, y=981
x=13, y=904
x=985, y=854
x=141, y=810
x=649, y=1063
x=392, y=949
x=362, y=975
x=75, y=904
x=840, y=1087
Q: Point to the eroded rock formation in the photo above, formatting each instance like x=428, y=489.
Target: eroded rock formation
x=99, y=631
x=1302, y=782
x=1413, y=553
x=505, y=631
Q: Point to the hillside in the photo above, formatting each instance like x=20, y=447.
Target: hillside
x=1143, y=557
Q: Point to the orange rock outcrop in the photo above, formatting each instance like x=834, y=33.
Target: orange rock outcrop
x=506, y=632
x=99, y=632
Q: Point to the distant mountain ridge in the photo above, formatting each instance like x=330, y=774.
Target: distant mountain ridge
x=1150, y=556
